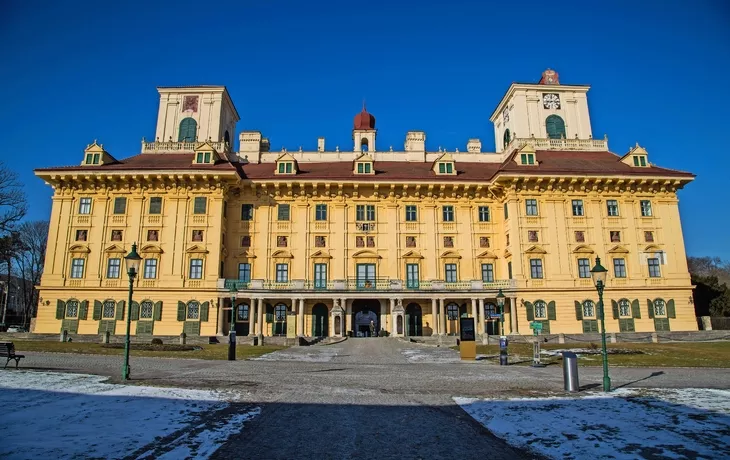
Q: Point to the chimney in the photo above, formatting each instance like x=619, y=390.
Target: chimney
x=320, y=144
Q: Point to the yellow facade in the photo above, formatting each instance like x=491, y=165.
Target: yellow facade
x=321, y=239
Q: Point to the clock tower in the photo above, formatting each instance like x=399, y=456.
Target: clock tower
x=543, y=110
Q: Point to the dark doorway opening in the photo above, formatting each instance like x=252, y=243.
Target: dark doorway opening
x=414, y=320
x=365, y=318
x=320, y=321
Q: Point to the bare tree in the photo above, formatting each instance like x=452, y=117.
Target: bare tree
x=29, y=260
x=12, y=199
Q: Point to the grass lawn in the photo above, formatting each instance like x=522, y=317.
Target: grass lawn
x=213, y=351
x=697, y=354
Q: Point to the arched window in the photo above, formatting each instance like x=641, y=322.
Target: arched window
x=506, y=137
x=659, y=308
x=72, y=309
x=589, y=309
x=452, y=311
x=193, y=309
x=188, y=130
x=242, y=312
x=489, y=310
x=145, y=309
x=364, y=144
x=280, y=312
x=227, y=137
x=540, y=309
x=555, y=127
x=108, y=310
x=624, y=307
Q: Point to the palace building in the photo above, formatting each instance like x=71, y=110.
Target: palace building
x=401, y=242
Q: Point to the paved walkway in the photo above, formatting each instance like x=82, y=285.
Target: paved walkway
x=365, y=397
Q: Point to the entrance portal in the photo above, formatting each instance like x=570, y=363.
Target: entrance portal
x=365, y=318
x=414, y=320
x=320, y=321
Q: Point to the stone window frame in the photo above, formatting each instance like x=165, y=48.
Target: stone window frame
x=108, y=309
x=589, y=309
x=629, y=313
x=192, y=310
x=144, y=307
x=72, y=309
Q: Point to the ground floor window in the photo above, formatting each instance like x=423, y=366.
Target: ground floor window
x=660, y=308
x=452, y=311
x=72, y=309
x=108, y=310
x=280, y=312
x=193, y=309
x=242, y=312
x=540, y=309
x=145, y=310
x=624, y=308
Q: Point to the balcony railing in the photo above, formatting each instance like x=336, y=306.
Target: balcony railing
x=372, y=284
x=590, y=145
x=181, y=147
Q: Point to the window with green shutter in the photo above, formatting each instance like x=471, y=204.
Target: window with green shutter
x=555, y=127
x=191, y=328
x=188, y=130
x=590, y=325
x=661, y=324
x=626, y=325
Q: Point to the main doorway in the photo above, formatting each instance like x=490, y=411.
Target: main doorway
x=414, y=320
x=320, y=321
x=243, y=314
x=365, y=318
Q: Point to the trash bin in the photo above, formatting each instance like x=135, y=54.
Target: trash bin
x=570, y=371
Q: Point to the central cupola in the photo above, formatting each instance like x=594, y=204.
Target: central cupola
x=363, y=131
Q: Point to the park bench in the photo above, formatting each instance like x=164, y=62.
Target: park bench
x=7, y=350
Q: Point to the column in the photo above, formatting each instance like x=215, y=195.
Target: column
x=442, y=317
x=348, y=316
x=221, y=317
x=434, y=318
x=482, y=319
x=474, y=312
x=260, y=311
x=513, y=326
x=384, y=315
x=300, y=321
x=393, y=319
x=252, y=317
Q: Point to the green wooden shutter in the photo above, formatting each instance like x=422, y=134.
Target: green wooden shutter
x=555, y=127
x=530, y=311
x=269, y=313
x=134, y=315
x=614, y=307
x=204, y=311
x=97, y=311
x=84, y=309
x=158, y=311
x=635, y=309
x=545, y=327
x=119, y=313
x=181, y=311
x=551, y=311
x=60, y=309
x=188, y=130
x=578, y=311
x=191, y=327
x=671, y=310
x=590, y=325
x=651, y=307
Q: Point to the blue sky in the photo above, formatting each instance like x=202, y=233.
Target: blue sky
x=81, y=71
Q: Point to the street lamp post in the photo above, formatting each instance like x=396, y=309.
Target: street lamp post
x=232, y=331
x=132, y=261
x=503, y=337
x=599, y=274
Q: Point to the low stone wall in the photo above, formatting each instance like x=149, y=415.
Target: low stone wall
x=94, y=338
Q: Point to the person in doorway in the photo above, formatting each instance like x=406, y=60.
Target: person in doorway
x=372, y=328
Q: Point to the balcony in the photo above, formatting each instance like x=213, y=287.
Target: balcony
x=584, y=145
x=181, y=147
x=364, y=285
x=83, y=219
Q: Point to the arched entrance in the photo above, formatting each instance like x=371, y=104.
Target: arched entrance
x=454, y=311
x=320, y=321
x=242, y=319
x=278, y=318
x=365, y=312
x=414, y=320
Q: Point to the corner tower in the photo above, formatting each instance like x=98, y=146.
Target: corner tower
x=543, y=110
x=195, y=113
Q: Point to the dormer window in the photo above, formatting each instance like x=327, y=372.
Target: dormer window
x=364, y=164
x=444, y=165
x=203, y=157
x=527, y=158
x=446, y=168
x=286, y=164
x=92, y=158
x=364, y=168
x=95, y=155
x=640, y=160
x=636, y=157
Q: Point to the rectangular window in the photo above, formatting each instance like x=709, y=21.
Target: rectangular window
x=488, y=273
x=483, y=213
x=112, y=268
x=636, y=160
x=196, y=269
x=649, y=237
x=77, y=268
x=85, y=206
x=619, y=268
x=411, y=213
x=207, y=157
x=584, y=268
x=360, y=168
x=365, y=276
x=320, y=276
x=645, y=208
x=450, y=273
x=448, y=241
x=368, y=168
x=281, y=168
x=578, y=208
x=615, y=236
x=283, y=212
x=155, y=205
x=244, y=272
x=120, y=205
x=442, y=168
x=509, y=270
x=81, y=235
x=150, y=268
x=531, y=207
x=580, y=236
x=200, y=205
x=116, y=235
x=449, y=168
x=199, y=157
x=448, y=213
x=282, y=273
x=247, y=212
x=654, y=270
x=506, y=212
x=612, y=208
x=536, y=269
x=289, y=168
x=532, y=236
x=365, y=212
x=89, y=158
x=320, y=212
x=642, y=160
x=412, y=278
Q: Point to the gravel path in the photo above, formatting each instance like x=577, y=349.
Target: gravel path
x=365, y=397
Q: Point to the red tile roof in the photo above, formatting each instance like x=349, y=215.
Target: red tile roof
x=550, y=162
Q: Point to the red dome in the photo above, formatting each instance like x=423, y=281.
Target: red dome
x=364, y=120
